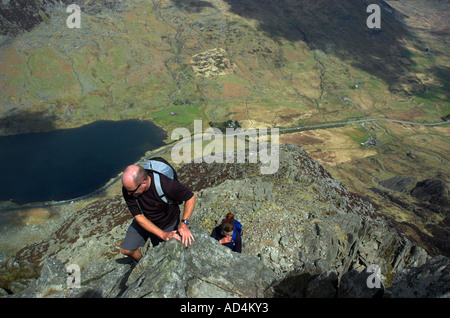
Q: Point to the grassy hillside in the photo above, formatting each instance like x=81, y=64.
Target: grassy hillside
x=295, y=62
x=262, y=63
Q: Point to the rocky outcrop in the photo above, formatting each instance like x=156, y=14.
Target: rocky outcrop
x=207, y=269
x=204, y=269
x=302, y=214
x=305, y=234
x=428, y=200
x=211, y=63
x=431, y=190
x=398, y=183
x=429, y=280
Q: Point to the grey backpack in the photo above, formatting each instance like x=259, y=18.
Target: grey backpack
x=158, y=166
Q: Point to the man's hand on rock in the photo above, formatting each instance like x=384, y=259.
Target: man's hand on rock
x=168, y=235
x=186, y=235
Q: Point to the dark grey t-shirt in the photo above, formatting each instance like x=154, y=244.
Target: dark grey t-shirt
x=154, y=209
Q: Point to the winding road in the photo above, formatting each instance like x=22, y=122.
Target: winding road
x=363, y=121
x=5, y=207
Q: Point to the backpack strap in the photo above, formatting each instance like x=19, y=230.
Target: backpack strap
x=158, y=187
x=157, y=167
x=139, y=206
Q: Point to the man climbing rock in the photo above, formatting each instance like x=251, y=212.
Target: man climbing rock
x=153, y=218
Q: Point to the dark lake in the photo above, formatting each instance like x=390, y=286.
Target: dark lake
x=69, y=163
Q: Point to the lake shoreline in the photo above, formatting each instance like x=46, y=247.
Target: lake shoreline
x=71, y=165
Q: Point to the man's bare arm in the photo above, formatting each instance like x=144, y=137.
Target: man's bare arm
x=186, y=235
x=152, y=228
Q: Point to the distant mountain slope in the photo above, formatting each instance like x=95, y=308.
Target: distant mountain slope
x=289, y=63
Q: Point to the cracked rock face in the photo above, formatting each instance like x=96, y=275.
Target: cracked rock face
x=204, y=269
x=428, y=280
x=302, y=214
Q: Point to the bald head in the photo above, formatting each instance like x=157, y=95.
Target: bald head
x=132, y=176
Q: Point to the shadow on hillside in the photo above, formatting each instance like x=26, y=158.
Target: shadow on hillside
x=26, y=122
x=192, y=6
x=338, y=28
x=18, y=16
x=442, y=86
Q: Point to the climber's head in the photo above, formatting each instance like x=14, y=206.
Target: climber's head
x=135, y=180
x=228, y=225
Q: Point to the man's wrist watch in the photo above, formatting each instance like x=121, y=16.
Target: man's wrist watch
x=185, y=221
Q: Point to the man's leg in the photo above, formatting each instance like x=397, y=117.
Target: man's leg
x=134, y=254
x=135, y=238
